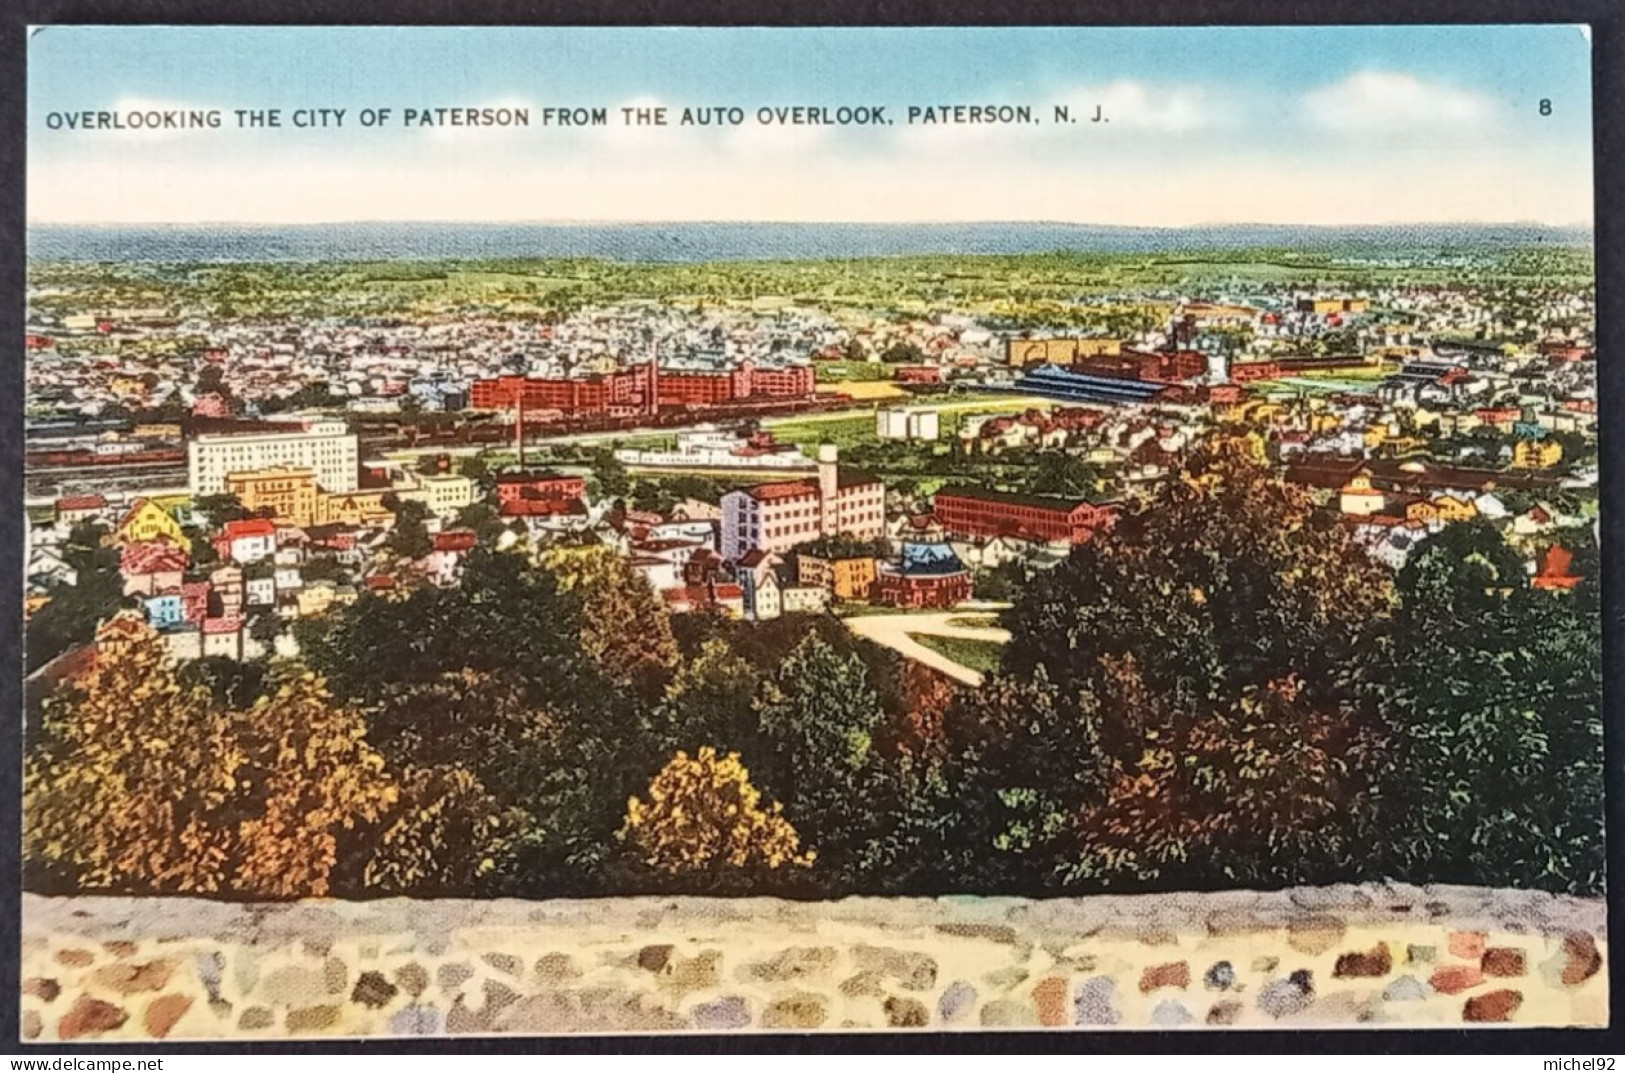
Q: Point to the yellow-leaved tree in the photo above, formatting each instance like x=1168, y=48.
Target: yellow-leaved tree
x=140, y=784
x=310, y=774
x=131, y=784
x=703, y=815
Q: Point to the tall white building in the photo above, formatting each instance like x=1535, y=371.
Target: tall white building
x=326, y=447
x=776, y=517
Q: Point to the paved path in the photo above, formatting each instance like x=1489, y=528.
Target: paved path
x=893, y=632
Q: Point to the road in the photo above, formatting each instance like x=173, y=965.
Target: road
x=893, y=632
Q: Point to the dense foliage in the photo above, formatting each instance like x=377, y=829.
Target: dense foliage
x=143, y=783
x=71, y=614
x=1221, y=691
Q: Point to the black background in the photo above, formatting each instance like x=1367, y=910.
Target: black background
x=1607, y=19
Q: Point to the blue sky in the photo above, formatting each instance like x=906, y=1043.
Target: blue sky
x=1281, y=125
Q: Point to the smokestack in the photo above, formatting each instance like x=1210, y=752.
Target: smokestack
x=829, y=483
x=519, y=431
x=654, y=377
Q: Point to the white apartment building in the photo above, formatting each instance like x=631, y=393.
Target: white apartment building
x=708, y=447
x=326, y=447
x=776, y=517
x=442, y=493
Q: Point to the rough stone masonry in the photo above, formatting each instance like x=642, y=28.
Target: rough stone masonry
x=1375, y=955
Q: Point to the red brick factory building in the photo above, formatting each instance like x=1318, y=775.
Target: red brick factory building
x=643, y=388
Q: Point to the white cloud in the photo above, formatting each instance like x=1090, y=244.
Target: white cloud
x=1130, y=108
x=645, y=140
x=1167, y=109
x=753, y=141
x=1394, y=102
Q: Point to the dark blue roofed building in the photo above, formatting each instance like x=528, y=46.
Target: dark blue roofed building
x=1054, y=382
x=925, y=575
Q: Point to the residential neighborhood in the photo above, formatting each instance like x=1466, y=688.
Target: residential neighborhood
x=253, y=473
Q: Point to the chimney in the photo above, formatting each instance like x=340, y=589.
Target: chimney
x=654, y=377
x=519, y=432
x=828, y=484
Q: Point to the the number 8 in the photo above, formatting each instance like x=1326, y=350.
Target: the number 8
x=1545, y=106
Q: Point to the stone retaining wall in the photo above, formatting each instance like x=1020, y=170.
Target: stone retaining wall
x=124, y=968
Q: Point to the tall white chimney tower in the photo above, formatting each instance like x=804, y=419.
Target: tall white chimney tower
x=828, y=485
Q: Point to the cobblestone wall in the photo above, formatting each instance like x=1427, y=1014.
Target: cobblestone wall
x=110, y=968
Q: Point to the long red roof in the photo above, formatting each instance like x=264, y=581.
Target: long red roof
x=249, y=527
x=782, y=490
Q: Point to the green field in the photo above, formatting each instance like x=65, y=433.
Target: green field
x=1370, y=372
x=980, y=656
x=833, y=372
x=981, y=621
x=1015, y=290
x=845, y=429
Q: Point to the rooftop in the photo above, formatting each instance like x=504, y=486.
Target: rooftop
x=1056, y=503
x=921, y=560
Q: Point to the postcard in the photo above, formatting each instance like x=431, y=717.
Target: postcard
x=723, y=530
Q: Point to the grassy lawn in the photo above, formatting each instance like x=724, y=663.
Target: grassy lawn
x=846, y=430
x=831, y=372
x=841, y=431
x=1370, y=372
x=981, y=656
x=975, y=621
x=1324, y=385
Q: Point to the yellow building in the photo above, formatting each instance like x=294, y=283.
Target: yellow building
x=290, y=492
x=1421, y=511
x=121, y=632
x=145, y=521
x=353, y=508
x=848, y=579
x=1059, y=351
x=1537, y=454
x=1359, y=497
x=1261, y=412
x=315, y=599
x=1455, y=509
x=1400, y=446
x=173, y=504
x=156, y=431
x=1325, y=306
x=1215, y=314
x=127, y=387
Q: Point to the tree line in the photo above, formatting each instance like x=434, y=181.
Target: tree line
x=1224, y=691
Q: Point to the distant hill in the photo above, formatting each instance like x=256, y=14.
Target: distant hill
x=698, y=242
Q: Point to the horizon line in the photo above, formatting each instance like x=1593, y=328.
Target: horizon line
x=1587, y=225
